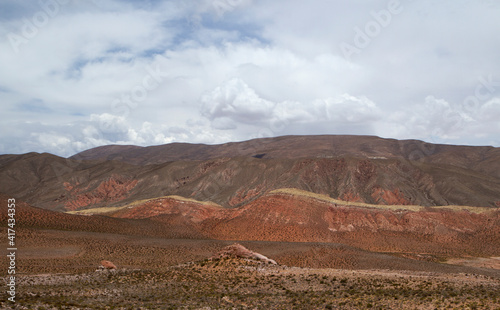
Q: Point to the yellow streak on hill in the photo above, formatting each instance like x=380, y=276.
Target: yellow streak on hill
x=93, y=211
x=415, y=208
x=107, y=210
x=294, y=192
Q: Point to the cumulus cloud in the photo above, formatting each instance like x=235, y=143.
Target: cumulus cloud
x=152, y=72
x=234, y=103
x=101, y=129
x=54, y=141
x=348, y=109
x=437, y=120
x=490, y=111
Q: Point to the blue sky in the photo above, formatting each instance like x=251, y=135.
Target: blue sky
x=77, y=74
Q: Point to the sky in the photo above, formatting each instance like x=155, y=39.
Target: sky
x=76, y=74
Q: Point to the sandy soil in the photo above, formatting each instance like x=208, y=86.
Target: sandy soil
x=481, y=262
x=57, y=270
x=246, y=284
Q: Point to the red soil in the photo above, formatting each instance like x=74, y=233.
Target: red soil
x=114, y=189
x=192, y=211
x=350, y=196
x=386, y=197
x=284, y=217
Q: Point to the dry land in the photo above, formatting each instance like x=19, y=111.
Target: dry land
x=57, y=270
x=245, y=284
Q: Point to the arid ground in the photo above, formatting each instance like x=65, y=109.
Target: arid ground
x=57, y=270
x=242, y=284
x=352, y=222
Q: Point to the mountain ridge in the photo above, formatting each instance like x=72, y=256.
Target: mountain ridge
x=353, y=168
x=293, y=146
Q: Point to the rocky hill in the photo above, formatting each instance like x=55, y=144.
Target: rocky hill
x=29, y=217
x=403, y=208
x=483, y=159
x=287, y=215
x=290, y=215
x=351, y=168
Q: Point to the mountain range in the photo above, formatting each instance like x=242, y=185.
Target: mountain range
x=363, y=169
x=409, y=199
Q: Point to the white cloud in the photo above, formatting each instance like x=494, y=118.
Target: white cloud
x=53, y=140
x=490, y=111
x=235, y=100
x=348, y=109
x=437, y=120
x=234, y=104
x=236, y=69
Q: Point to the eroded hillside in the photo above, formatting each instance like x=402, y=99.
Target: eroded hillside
x=363, y=169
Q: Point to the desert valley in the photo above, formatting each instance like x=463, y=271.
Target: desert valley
x=343, y=222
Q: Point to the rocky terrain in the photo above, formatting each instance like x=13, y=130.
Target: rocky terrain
x=248, y=284
x=309, y=232
x=324, y=221
x=238, y=251
x=291, y=215
x=59, y=254
x=352, y=168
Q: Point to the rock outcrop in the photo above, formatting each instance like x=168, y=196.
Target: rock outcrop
x=114, y=189
x=106, y=264
x=238, y=251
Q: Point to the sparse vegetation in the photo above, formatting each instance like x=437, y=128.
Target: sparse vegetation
x=246, y=284
x=358, y=269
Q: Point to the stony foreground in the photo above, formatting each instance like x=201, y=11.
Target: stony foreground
x=247, y=284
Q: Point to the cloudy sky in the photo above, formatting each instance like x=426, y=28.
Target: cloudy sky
x=75, y=74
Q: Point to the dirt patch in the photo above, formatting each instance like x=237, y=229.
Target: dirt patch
x=247, y=284
x=479, y=262
x=52, y=251
x=33, y=252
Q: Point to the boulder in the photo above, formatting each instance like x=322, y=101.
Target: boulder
x=107, y=264
x=238, y=251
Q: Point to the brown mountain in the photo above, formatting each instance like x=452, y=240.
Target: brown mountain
x=480, y=158
x=320, y=201
x=351, y=168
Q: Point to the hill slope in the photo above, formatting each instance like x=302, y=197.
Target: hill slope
x=485, y=159
x=364, y=169
x=290, y=215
